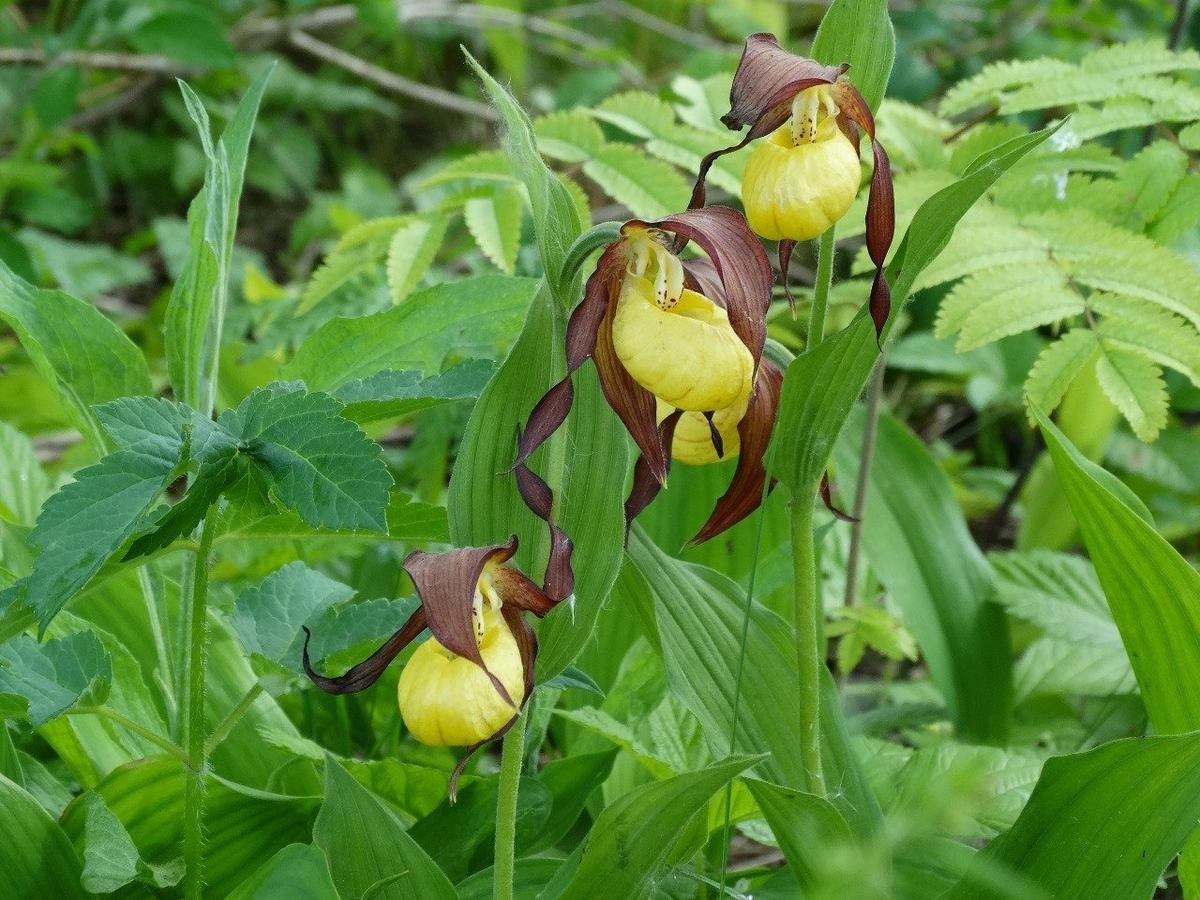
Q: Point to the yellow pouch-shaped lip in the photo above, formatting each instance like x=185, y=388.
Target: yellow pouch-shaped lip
x=692, y=443
x=795, y=192
x=688, y=356
x=448, y=701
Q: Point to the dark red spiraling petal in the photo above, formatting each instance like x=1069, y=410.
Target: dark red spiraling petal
x=645, y=485
x=827, y=499
x=880, y=304
x=559, y=580
x=785, y=261
x=362, y=675
x=740, y=261
x=745, y=491
x=446, y=584
x=766, y=81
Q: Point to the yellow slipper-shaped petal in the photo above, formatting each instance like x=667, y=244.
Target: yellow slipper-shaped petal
x=692, y=444
x=796, y=192
x=688, y=356
x=448, y=701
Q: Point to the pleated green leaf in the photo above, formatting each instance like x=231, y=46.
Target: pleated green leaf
x=1153, y=592
x=859, y=32
x=369, y=851
x=804, y=824
x=643, y=832
x=297, y=872
x=1101, y=825
x=918, y=545
x=36, y=857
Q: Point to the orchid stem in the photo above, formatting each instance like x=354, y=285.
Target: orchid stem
x=512, y=754
x=196, y=616
x=870, y=433
x=805, y=610
x=821, y=288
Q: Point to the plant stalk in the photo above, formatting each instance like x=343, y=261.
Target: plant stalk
x=805, y=610
x=511, y=756
x=870, y=433
x=195, y=664
x=821, y=288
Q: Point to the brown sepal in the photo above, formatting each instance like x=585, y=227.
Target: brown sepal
x=559, y=580
x=446, y=584
x=746, y=490
x=785, y=262
x=827, y=499
x=362, y=675
x=700, y=275
x=645, y=485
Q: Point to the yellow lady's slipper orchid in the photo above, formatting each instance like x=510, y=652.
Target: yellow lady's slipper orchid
x=447, y=700
x=693, y=443
x=804, y=176
x=466, y=684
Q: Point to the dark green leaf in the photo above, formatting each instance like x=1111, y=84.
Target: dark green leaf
x=36, y=858
x=297, y=872
x=54, y=676
x=390, y=394
x=860, y=33
x=185, y=36
x=805, y=825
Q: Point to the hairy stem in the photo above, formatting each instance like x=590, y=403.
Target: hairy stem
x=820, y=304
x=870, y=432
x=196, y=617
x=511, y=756
x=805, y=610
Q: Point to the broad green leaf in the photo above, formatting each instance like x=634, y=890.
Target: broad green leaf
x=485, y=507
x=1101, y=825
x=297, y=872
x=242, y=826
x=555, y=218
x=529, y=879
x=368, y=850
x=636, y=838
x=821, y=385
x=456, y=319
x=79, y=352
x=495, y=223
x=110, y=859
x=860, y=33
x=1152, y=591
x=918, y=544
x=390, y=394
x=54, y=676
x=351, y=624
x=805, y=825
x=268, y=616
x=317, y=463
x=411, y=252
x=25, y=485
x=697, y=617
x=184, y=35
x=36, y=857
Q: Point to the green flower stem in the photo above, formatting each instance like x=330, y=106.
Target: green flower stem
x=195, y=664
x=820, y=304
x=511, y=756
x=805, y=610
x=806, y=607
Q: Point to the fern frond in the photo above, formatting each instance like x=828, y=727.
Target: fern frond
x=495, y=224
x=410, y=253
x=570, y=136
x=639, y=113
x=1181, y=213
x=979, y=246
x=915, y=137
x=703, y=102
x=683, y=147
x=1134, y=324
x=1135, y=386
x=648, y=187
x=1106, y=258
x=487, y=165
x=1059, y=365
x=989, y=86
x=1133, y=59
x=1146, y=182
x=1189, y=136
x=986, y=307
x=581, y=200
x=1090, y=122
x=360, y=250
